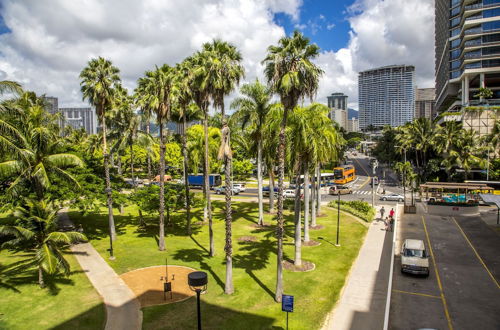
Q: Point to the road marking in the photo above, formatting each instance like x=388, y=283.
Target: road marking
x=417, y=294
x=364, y=169
x=364, y=183
x=443, y=299
x=477, y=254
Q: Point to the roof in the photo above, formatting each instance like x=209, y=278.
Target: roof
x=490, y=198
x=414, y=244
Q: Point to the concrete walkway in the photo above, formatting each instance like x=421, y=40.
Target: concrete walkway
x=123, y=310
x=363, y=298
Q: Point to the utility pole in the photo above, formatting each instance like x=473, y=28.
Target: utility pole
x=374, y=167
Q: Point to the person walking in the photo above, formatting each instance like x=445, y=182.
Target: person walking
x=382, y=211
x=391, y=213
x=391, y=223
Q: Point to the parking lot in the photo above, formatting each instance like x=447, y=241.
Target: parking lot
x=462, y=290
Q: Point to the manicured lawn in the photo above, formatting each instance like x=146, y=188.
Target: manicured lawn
x=67, y=302
x=252, y=305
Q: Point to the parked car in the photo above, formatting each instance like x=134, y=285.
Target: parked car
x=342, y=190
x=289, y=193
x=265, y=191
x=414, y=257
x=240, y=186
x=222, y=190
x=392, y=197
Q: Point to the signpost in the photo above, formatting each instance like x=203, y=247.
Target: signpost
x=287, y=306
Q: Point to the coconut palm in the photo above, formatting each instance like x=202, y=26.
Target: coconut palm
x=99, y=80
x=251, y=112
x=465, y=155
x=36, y=231
x=29, y=138
x=291, y=74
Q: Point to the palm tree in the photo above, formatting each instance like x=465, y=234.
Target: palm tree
x=493, y=138
x=141, y=99
x=465, y=153
x=30, y=140
x=252, y=110
x=291, y=74
x=99, y=81
x=195, y=137
x=224, y=71
x=36, y=230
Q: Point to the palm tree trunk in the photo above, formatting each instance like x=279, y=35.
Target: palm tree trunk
x=259, y=182
x=271, y=189
x=41, y=282
x=119, y=165
x=148, y=154
x=298, y=222
x=306, y=201
x=132, y=165
x=185, y=172
x=111, y=220
x=206, y=186
x=161, y=245
x=313, y=200
x=318, y=194
x=280, y=228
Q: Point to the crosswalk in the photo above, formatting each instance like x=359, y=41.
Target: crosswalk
x=362, y=192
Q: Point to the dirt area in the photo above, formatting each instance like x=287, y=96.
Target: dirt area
x=147, y=284
x=305, y=267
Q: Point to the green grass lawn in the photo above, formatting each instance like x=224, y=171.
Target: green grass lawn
x=252, y=305
x=67, y=302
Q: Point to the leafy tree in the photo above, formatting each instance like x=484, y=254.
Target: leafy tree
x=35, y=230
x=242, y=169
x=99, y=79
x=292, y=75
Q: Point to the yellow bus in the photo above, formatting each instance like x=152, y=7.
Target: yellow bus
x=344, y=174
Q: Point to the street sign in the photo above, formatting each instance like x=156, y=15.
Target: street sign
x=287, y=303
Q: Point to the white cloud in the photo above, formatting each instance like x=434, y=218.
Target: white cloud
x=330, y=26
x=52, y=40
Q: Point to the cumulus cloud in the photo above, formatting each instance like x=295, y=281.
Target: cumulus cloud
x=51, y=41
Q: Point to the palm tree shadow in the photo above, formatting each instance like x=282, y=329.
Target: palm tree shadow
x=195, y=255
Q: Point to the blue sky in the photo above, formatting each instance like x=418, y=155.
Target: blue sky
x=324, y=22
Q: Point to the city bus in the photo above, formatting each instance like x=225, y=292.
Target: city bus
x=344, y=174
x=493, y=184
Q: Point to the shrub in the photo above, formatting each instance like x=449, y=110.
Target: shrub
x=360, y=209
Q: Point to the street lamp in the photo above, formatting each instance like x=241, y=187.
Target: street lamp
x=108, y=191
x=338, y=218
x=197, y=282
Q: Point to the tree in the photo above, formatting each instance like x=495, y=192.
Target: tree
x=465, y=153
x=224, y=71
x=251, y=111
x=99, y=80
x=30, y=142
x=36, y=230
x=291, y=74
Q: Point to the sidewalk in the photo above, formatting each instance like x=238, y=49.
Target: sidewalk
x=363, y=298
x=123, y=310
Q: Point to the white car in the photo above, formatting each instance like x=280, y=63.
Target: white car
x=222, y=190
x=392, y=197
x=240, y=186
x=289, y=193
x=414, y=257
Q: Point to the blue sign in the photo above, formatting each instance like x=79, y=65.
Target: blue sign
x=287, y=303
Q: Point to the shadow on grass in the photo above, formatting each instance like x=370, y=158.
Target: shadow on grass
x=195, y=255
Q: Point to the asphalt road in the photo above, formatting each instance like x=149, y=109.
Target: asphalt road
x=462, y=290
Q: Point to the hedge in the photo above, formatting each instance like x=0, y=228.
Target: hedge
x=360, y=209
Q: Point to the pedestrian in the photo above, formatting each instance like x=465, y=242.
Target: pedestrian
x=391, y=213
x=382, y=211
x=391, y=223
x=386, y=222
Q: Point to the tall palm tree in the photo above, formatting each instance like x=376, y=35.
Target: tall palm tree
x=30, y=141
x=251, y=111
x=36, y=229
x=466, y=151
x=493, y=139
x=158, y=95
x=224, y=71
x=292, y=75
x=141, y=99
x=99, y=80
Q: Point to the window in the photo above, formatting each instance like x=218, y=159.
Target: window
x=455, y=43
x=455, y=11
x=474, y=65
x=455, y=64
x=491, y=50
x=491, y=63
x=453, y=3
x=491, y=12
x=491, y=25
x=455, y=74
x=490, y=2
x=454, y=22
x=455, y=32
x=454, y=54
x=491, y=38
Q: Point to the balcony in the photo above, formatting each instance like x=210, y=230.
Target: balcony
x=473, y=31
x=470, y=55
x=474, y=17
x=480, y=5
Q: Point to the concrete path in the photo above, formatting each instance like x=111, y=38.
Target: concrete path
x=363, y=298
x=123, y=310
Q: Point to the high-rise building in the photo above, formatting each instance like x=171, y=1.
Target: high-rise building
x=424, y=103
x=467, y=57
x=353, y=125
x=386, y=96
x=52, y=104
x=337, y=102
x=80, y=118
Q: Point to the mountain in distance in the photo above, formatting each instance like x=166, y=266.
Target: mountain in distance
x=351, y=113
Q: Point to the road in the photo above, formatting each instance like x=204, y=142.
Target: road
x=462, y=291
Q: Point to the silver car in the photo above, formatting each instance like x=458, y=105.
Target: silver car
x=392, y=197
x=222, y=190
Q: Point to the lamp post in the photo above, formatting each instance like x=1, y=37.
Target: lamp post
x=197, y=282
x=338, y=218
x=111, y=256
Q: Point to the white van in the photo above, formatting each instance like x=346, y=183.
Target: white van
x=414, y=257
x=240, y=186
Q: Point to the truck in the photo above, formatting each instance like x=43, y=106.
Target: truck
x=196, y=180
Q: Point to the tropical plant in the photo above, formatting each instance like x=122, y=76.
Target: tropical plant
x=293, y=76
x=251, y=111
x=36, y=231
x=99, y=79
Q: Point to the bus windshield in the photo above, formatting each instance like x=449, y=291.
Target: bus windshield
x=339, y=174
